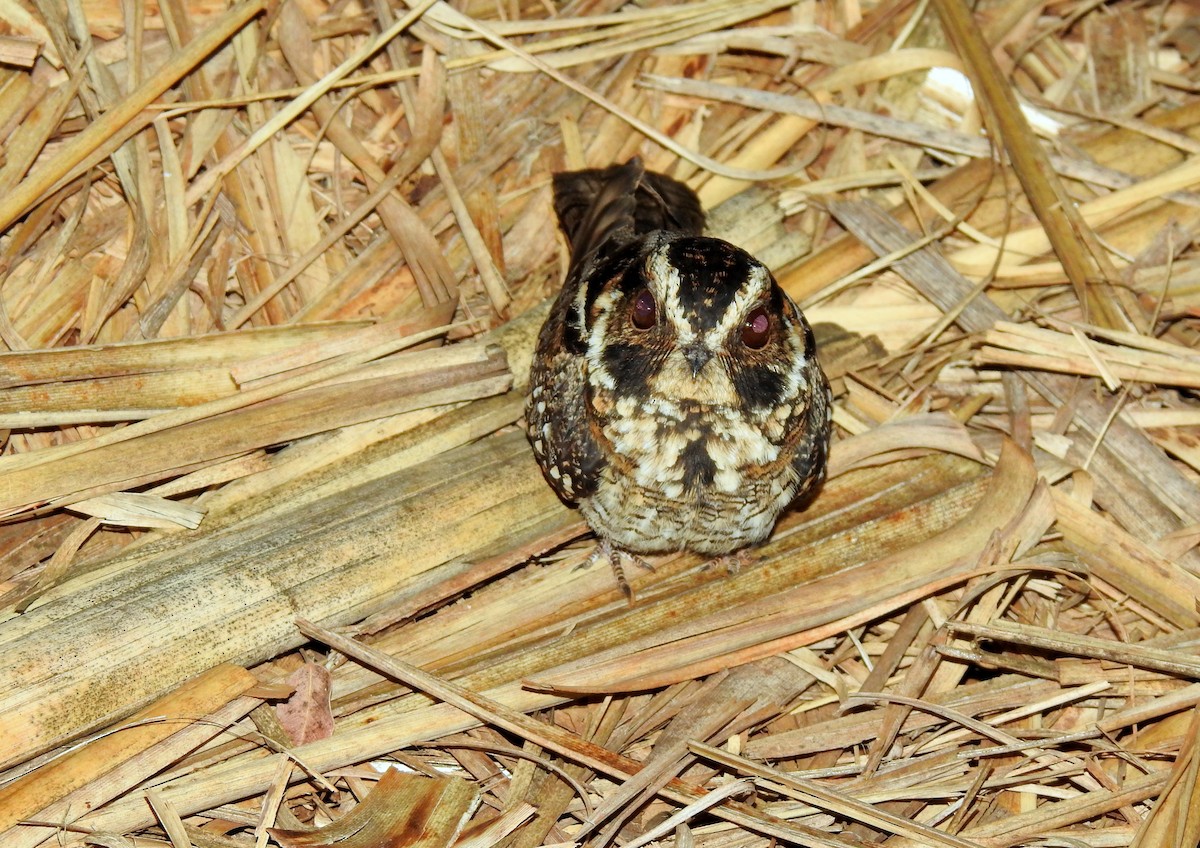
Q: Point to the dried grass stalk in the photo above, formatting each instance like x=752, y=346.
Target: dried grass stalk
x=980, y=633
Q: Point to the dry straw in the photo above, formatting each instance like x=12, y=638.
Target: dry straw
x=269, y=279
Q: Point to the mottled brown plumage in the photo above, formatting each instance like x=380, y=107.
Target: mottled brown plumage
x=675, y=395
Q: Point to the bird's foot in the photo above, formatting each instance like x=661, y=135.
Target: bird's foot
x=607, y=550
x=733, y=562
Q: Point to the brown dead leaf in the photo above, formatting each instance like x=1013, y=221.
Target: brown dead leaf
x=306, y=716
x=403, y=811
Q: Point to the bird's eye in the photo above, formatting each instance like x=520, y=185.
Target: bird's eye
x=757, y=328
x=643, y=314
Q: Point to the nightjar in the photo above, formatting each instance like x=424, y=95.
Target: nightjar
x=675, y=395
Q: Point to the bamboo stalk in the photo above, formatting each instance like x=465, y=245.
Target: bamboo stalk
x=1061, y=221
x=381, y=538
x=375, y=393
x=35, y=795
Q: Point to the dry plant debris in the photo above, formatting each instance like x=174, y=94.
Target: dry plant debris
x=276, y=566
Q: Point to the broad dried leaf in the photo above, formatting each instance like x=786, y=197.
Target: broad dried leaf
x=402, y=811
x=306, y=715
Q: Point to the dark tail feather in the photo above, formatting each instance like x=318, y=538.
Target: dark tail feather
x=595, y=204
